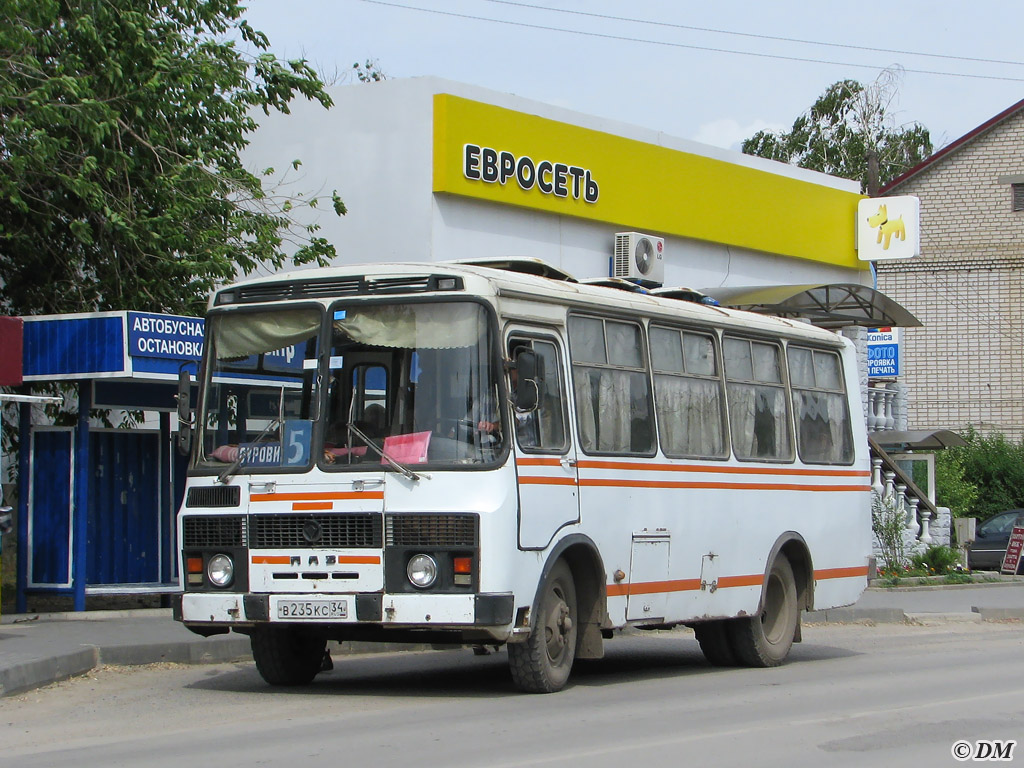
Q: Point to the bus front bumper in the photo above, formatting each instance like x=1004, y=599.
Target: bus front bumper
x=428, y=611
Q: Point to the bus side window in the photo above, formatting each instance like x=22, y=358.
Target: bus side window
x=612, y=386
x=756, y=395
x=823, y=434
x=688, y=393
x=543, y=429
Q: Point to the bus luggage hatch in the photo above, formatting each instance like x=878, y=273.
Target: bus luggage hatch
x=648, y=574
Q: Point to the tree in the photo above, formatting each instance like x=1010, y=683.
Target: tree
x=849, y=132
x=121, y=124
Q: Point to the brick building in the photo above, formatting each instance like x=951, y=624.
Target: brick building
x=965, y=365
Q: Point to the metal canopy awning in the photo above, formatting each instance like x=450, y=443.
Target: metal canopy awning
x=828, y=305
x=919, y=440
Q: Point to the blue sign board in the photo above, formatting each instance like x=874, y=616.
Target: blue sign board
x=883, y=352
x=165, y=336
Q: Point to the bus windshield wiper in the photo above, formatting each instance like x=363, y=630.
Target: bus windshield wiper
x=232, y=468
x=392, y=462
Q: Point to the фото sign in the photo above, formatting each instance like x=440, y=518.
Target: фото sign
x=883, y=352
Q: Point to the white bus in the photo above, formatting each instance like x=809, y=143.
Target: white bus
x=457, y=453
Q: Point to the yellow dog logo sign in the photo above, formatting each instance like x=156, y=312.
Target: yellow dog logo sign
x=887, y=228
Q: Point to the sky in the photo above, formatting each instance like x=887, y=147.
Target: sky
x=714, y=72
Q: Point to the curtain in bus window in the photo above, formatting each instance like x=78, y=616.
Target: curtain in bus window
x=239, y=335
x=689, y=416
x=823, y=427
x=758, y=417
x=615, y=408
x=586, y=403
x=424, y=326
x=604, y=409
x=823, y=421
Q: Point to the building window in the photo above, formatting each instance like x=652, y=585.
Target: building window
x=1018, y=197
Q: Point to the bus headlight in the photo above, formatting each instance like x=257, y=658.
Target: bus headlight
x=220, y=570
x=422, y=571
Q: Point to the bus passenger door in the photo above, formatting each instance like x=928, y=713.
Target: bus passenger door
x=544, y=454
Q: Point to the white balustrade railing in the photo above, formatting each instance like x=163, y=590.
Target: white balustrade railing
x=881, y=408
x=918, y=512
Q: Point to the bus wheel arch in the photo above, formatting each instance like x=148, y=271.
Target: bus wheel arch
x=795, y=549
x=571, y=588
x=764, y=639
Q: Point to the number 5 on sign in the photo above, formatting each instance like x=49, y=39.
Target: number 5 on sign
x=297, y=436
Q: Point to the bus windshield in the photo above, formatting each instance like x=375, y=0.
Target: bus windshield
x=261, y=394
x=404, y=384
x=415, y=380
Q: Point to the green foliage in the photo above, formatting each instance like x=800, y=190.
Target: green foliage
x=994, y=466
x=952, y=487
x=121, y=125
x=936, y=561
x=846, y=125
x=888, y=523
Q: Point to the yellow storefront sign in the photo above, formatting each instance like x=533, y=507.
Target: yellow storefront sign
x=496, y=154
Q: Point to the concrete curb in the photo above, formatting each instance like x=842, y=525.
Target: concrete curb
x=20, y=678
x=133, y=613
x=855, y=615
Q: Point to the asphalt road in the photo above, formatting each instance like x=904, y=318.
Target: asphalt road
x=850, y=696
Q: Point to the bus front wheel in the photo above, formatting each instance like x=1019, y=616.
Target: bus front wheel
x=286, y=655
x=765, y=640
x=542, y=663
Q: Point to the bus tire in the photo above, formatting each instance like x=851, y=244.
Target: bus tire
x=286, y=655
x=765, y=640
x=715, y=643
x=542, y=663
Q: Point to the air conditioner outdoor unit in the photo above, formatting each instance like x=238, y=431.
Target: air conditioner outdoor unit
x=640, y=258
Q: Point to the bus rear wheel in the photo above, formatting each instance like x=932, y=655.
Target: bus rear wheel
x=542, y=663
x=287, y=655
x=715, y=643
x=765, y=640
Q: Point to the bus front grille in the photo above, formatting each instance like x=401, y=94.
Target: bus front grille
x=341, y=531
x=431, y=530
x=214, y=496
x=206, y=531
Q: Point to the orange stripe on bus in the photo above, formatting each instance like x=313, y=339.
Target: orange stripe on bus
x=616, y=483
x=326, y=496
x=537, y=462
x=721, y=469
x=342, y=559
x=309, y=505
x=546, y=480
x=754, y=580
x=653, y=587
x=842, y=573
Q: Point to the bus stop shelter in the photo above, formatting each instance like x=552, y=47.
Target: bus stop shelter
x=97, y=504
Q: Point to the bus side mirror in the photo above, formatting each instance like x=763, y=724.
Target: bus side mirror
x=527, y=394
x=184, y=398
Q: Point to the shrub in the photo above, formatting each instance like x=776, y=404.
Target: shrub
x=936, y=560
x=994, y=465
x=888, y=523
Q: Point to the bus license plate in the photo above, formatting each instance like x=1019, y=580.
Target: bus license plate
x=312, y=609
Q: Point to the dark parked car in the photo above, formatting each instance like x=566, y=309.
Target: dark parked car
x=991, y=538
